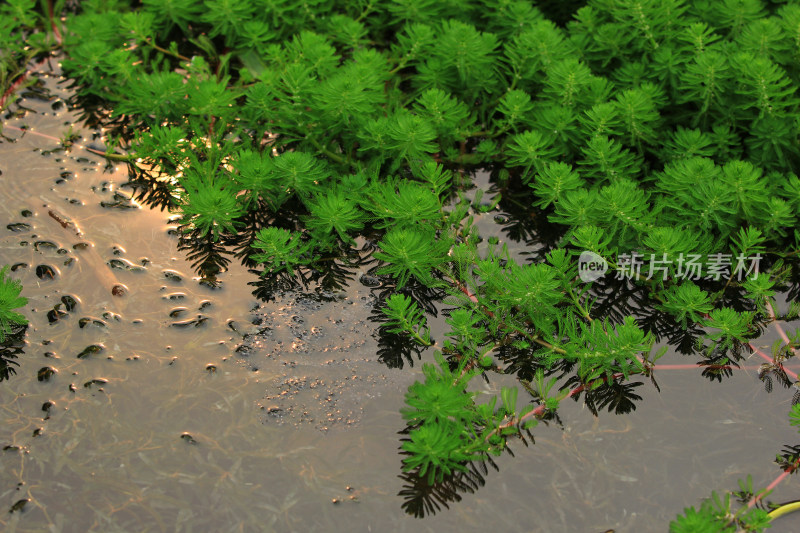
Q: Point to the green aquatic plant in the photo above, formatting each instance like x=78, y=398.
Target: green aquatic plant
x=410, y=252
x=661, y=136
x=716, y=515
x=25, y=33
x=404, y=316
x=281, y=250
x=209, y=205
x=10, y=300
x=448, y=429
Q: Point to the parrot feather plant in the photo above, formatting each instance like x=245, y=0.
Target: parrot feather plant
x=302, y=137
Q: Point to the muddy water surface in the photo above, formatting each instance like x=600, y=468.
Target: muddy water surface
x=173, y=406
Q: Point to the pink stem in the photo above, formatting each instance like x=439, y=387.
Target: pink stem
x=34, y=133
x=542, y=408
x=53, y=24
x=778, y=327
x=775, y=483
x=31, y=132
x=766, y=357
x=14, y=86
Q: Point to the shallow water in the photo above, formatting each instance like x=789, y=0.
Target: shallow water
x=180, y=422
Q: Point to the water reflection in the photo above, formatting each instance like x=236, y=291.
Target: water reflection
x=421, y=498
x=10, y=349
x=396, y=350
x=335, y=274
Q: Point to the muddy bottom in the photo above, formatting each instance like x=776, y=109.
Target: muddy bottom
x=145, y=400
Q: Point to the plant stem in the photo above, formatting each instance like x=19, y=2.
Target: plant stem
x=541, y=409
x=409, y=328
x=766, y=357
x=775, y=482
x=53, y=22
x=367, y=11
x=324, y=150
x=165, y=51
x=778, y=328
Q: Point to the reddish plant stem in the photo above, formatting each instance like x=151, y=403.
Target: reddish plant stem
x=463, y=288
x=31, y=132
x=766, y=357
x=540, y=410
x=53, y=25
x=779, y=328
x=21, y=79
x=82, y=147
x=17, y=83
x=775, y=482
x=781, y=333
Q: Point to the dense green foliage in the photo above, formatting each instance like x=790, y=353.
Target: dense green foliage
x=301, y=133
x=22, y=38
x=10, y=322
x=10, y=300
